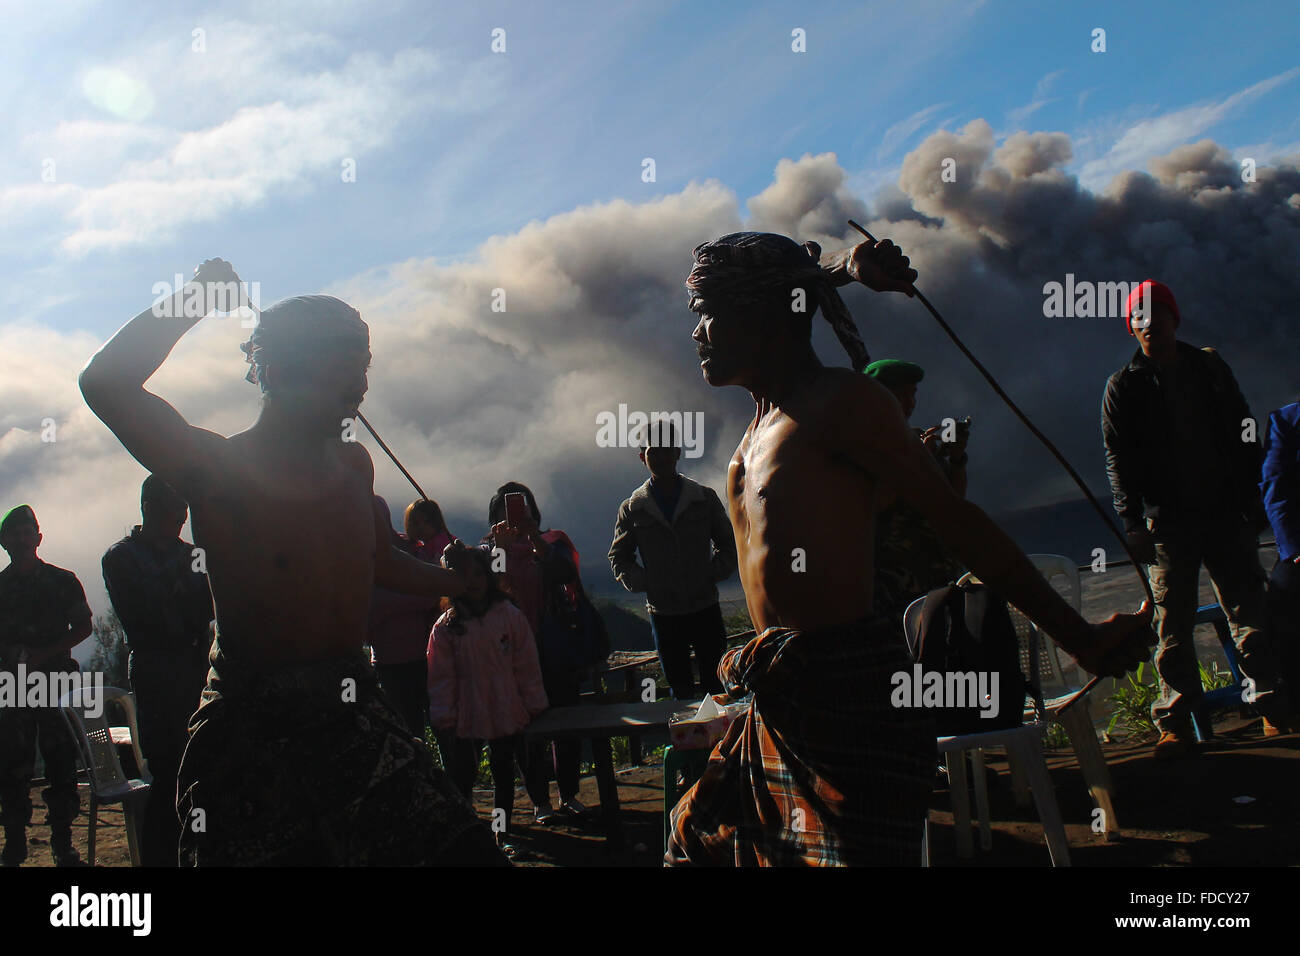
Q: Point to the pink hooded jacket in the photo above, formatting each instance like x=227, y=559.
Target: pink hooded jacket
x=485, y=683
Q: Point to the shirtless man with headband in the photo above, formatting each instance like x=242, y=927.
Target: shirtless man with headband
x=821, y=770
x=294, y=756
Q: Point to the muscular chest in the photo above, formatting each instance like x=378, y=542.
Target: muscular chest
x=786, y=478
x=285, y=526
x=767, y=468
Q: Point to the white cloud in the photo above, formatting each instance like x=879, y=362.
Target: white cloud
x=1159, y=134
x=267, y=126
x=896, y=135
x=1016, y=117
x=596, y=315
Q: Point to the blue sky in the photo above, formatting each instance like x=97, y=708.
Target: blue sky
x=523, y=169
x=455, y=144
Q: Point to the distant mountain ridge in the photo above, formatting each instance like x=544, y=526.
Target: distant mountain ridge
x=1072, y=528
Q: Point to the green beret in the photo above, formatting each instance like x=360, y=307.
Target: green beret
x=890, y=372
x=23, y=514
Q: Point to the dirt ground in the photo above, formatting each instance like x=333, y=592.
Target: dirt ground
x=1170, y=813
x=1177, y=813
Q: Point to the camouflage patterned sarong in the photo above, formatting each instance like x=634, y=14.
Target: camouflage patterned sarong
x=911, y=560
x=311, y=766
x=821, y=770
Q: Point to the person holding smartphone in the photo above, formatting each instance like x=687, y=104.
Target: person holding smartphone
x=539, y=568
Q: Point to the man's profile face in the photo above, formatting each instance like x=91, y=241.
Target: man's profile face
x=1159, y=332
x=906, y=395
x=322, y=389
x=21, y=540
x=728, y=341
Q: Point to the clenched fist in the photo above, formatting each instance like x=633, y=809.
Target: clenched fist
x=1120, y=643
x=882, y=267
x=215, y=270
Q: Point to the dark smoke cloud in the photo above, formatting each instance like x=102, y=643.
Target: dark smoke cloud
x=596, y=315
x=1015, y=219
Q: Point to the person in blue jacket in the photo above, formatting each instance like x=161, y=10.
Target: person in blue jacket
x=1280, y=487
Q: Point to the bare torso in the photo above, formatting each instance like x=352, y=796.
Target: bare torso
x=294, y=541
x=290, y=549
x=803, y=514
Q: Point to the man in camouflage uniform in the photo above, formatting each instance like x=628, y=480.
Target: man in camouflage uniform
x=43, y=615
x=910, y=557
x=165, y=608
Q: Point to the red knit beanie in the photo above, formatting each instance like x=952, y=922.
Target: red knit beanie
x=1159, y=293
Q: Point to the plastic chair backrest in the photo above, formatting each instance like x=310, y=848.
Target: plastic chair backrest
x=1038, y=654
x=1051, y=565
x=1026, y=633
x=96, y=738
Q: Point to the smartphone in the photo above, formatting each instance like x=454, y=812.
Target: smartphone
x=516, y=509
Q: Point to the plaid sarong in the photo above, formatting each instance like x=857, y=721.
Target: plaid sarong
x=311, y=766
x=821, y=770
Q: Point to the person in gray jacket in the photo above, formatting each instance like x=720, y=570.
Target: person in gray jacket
x=684, y=538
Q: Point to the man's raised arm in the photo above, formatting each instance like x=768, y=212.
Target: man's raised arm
x=113, y=384
x=888, y=449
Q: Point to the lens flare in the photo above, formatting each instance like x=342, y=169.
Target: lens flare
x=118, y=93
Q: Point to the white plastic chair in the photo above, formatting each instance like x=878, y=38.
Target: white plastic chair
x=108, y=784
x=1024, y=750
x=1052, y=566
x=1025, y=757
x=1037, y=648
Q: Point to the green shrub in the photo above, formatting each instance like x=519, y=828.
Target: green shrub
x=1056, y=737
x=1133, y=701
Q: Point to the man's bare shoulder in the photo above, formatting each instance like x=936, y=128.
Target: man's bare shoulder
x=862, y=421
x=206, y=465
x=354, y=455
x=851, y=398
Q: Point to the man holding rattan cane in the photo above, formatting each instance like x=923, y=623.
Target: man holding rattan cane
x=821, y=770
x=294, y=756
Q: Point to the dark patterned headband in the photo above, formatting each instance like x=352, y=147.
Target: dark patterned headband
x=300, y=324
x=748, y=267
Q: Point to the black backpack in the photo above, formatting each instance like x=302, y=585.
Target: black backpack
x=967, y=628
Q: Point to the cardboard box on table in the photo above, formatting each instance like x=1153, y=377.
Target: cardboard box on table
x=706, y=728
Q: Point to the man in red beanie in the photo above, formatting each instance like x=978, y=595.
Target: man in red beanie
x=1183, y=467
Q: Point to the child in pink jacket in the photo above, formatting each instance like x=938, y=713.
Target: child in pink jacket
x=485, y=684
